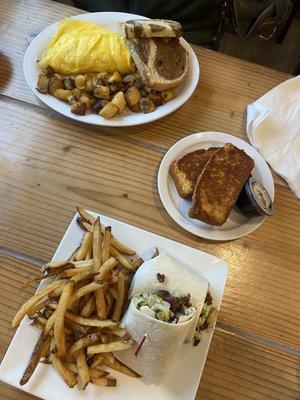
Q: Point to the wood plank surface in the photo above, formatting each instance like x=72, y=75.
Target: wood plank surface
x=49, y=166
x=227, y=85
x=236, y=368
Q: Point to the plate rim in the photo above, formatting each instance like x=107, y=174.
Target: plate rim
x=162, y=179
x=222, y=268
x=194, y=67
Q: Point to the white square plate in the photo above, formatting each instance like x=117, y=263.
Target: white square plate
x=183, y=379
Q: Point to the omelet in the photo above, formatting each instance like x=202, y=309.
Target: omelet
x=81, y=47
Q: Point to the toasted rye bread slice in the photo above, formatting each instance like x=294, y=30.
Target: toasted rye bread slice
x=161, y=62
x=219, y=185
x=187, y=169
x=150, y=28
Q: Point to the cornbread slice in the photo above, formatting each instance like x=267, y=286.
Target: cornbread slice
x=185, y=171
x=219, y=184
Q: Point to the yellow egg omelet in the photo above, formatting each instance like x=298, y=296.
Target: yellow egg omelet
x=81, y=47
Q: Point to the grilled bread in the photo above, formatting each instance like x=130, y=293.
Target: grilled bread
x=219, y=185
x=186, y=171
x=161, y=62
x=150, y=28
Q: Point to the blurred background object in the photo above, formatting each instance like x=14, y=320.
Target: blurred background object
x=266, y=32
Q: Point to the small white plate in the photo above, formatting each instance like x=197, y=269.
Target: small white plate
x=183, y=379
x=237, y=224
x=108, y=20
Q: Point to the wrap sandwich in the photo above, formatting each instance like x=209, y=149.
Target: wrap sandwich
x=166, y=299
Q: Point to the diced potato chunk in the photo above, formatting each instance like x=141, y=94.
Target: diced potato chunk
x=89, y=85
x=42, y=83
x=77, y=93
x=102, y=92
x=136, y=108
x=119, y=101
x=88, y=99
x=78, y=108
x=115, y=77
x=132, y=96
x=167, y=95
x=147, y=105
x=80, y=81
x=156, y=98
x=55, y=83
x=63, y=94
x=109, y=110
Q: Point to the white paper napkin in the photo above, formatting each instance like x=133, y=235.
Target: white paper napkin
x=273, y=128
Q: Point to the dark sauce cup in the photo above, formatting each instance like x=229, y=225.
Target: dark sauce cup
x=254, y=199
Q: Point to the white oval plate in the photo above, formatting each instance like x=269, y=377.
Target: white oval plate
x=237, y=224
x=108, y=20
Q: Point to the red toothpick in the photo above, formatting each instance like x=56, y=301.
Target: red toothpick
x=140, y=345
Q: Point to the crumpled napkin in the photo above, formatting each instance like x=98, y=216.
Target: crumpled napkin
x=273, y=128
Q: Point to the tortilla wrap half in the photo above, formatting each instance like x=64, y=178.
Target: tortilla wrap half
x=160, y=347
x=178, y=278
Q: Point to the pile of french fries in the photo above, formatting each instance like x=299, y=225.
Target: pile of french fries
x=78, y=313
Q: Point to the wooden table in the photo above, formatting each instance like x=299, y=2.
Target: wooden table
x=49, y=164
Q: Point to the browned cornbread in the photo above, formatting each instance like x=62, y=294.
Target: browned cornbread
x=219, y=185
x=187, y=169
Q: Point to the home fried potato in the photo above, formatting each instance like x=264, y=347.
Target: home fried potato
x=106, y=94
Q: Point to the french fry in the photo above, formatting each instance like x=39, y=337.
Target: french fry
x=89, y=254
x=118, y=331
x=105, y=268
x=85, y=215
x=54, y=265
x=137, y=263
x=104, y=382
x=82, y=343
x=122, y=260
x=113, y=291
x=109, y=347
x=86, y=226
x=106, y=244
x=89, y=307
x=118, y=245
x=71, y=367
x=120, y=367
x=97, y=243
x=110, y=303
x=90, y=321
x=82, y=276
x=122, y=248
x=101, y=307
x=69, y=273
x=97, y=360
x=59, y=321
x=83, y=264
x=36, y=307
x=68, y=376
x=34, y=300
x=73, y=311
x=98, y=373
x=91, y=287
x=34, y=359
x=120, y=300
x=110, y=357
x=85, y=246
x=83, y=370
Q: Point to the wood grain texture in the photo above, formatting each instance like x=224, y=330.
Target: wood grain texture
x=49, y=166
x=227, y=85
x=236, y=368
